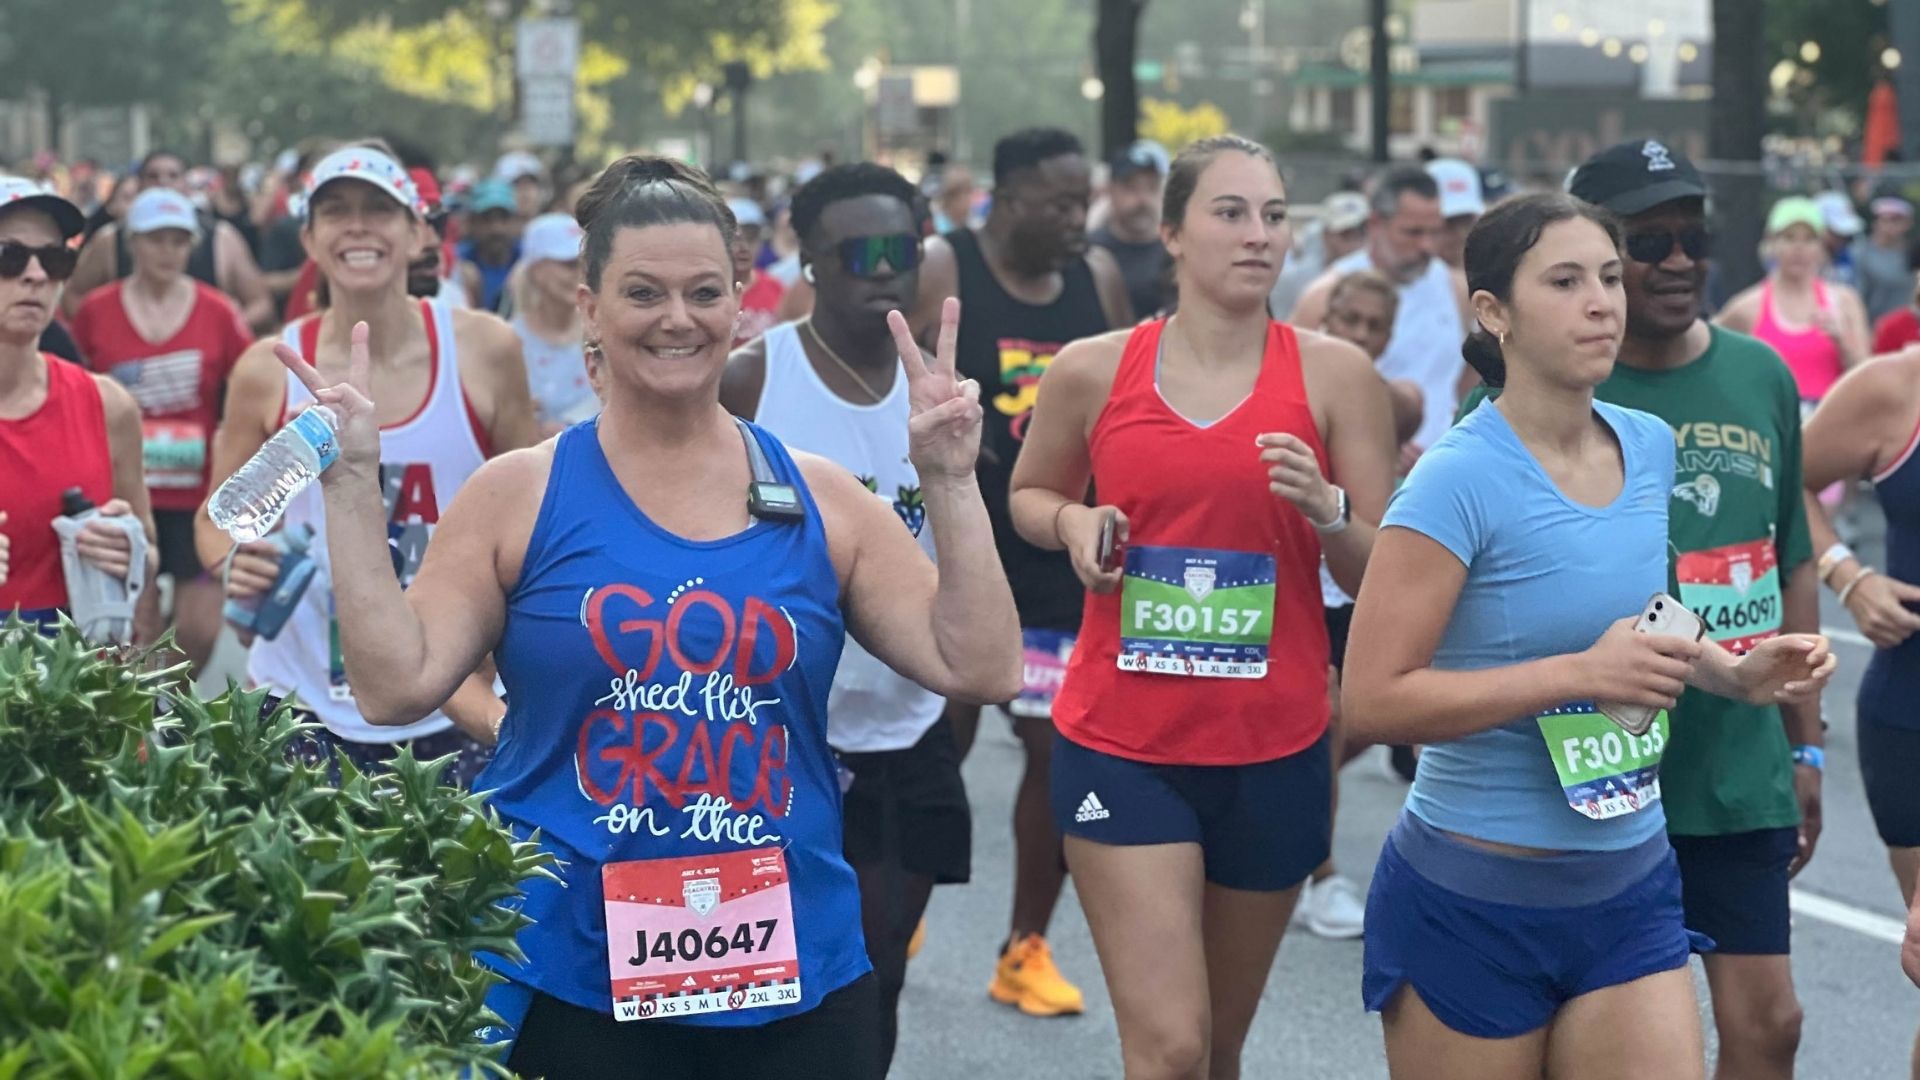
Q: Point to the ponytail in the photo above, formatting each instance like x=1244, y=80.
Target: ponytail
x=1482, y=352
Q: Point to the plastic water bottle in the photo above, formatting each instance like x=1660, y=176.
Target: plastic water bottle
x=265, y=615
x=101, y=605
x=250, y=503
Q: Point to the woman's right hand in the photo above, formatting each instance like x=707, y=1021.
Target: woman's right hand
x=1878, y=605
x=1632, y=668
x=352, y=405
x=1080, y=534
x=253, y=569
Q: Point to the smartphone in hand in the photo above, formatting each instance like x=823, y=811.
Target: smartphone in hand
x=1663, y=615
x=1109, y=548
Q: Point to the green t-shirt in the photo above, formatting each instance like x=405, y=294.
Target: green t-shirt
x=1738, y=530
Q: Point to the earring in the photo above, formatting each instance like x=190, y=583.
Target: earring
x=1503, y=339
x=807, y=272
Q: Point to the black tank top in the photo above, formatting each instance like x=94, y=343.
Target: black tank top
x=1006, y=344
x=200, y=265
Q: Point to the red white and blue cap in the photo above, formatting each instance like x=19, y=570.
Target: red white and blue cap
x=551, y=237
x=369, y=166
x=19, y=191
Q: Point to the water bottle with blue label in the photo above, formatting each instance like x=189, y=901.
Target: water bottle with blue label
x=263, y=616
x=251, y=502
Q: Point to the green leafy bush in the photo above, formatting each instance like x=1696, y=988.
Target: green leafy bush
x=179, y=899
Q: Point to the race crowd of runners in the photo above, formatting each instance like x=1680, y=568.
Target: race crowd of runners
x=751, y=500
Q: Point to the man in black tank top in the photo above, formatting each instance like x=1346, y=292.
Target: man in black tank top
x=1028, y=284
x=221, y=259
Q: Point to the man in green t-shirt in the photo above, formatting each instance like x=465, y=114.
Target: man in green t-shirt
x=1741, y=783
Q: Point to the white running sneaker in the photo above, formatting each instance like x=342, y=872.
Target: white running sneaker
x=1332, y=909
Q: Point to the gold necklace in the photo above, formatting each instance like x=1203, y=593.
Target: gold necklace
x=844, y=366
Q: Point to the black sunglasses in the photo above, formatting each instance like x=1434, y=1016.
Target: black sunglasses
x=863, y=255
x=1654, y=246
x=56, y=259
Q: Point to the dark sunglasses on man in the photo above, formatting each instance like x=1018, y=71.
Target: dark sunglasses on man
x=1653, y=246
x=862, y=255
x=56, y=259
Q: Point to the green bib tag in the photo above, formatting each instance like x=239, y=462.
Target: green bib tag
x=1605, y=771
x=1197, y=612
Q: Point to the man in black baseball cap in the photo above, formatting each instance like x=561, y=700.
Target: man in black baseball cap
x=1132, y=228
x=1741, y=783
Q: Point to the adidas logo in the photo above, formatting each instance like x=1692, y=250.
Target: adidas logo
x=1091, y=810
x=689, y=982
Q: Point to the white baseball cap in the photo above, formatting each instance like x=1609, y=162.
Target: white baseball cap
x=369, y=166
x=1842, y=218
x=161, y=208
x=517, y=164
x=19, y=191
x=747, y=212
x=1345, y=211
x=551, y=237
x=1459, y=187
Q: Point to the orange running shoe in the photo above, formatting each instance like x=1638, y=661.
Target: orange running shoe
x=918, y=939
x=1027, y=979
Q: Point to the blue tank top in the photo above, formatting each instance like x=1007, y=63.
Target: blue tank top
x=668, y=698
x=1891, y=683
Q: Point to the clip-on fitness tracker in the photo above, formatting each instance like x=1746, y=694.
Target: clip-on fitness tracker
x=767, y=498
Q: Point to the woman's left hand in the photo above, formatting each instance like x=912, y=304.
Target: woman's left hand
x=1293, y=473
x=1790, y=667
x=106, y=546
x=944, y=428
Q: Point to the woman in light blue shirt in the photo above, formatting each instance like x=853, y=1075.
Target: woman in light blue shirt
x=1526, y=910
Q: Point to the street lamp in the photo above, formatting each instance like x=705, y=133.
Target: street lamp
x=1092, y=88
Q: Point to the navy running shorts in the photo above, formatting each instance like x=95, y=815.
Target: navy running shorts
x=1261, y=827
x=1889, y=761
x=1495, y=944
x=1734, y=889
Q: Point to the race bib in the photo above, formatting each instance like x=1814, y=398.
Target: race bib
x=174, y=453
x=1736, y=590
x=1605, y=771
x=700, y=934
x=1044, y=655
x=1196, y=612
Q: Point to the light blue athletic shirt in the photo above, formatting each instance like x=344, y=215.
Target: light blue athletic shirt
x=1545, y=576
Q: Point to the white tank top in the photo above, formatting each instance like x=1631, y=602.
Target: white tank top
x=870, y=708
x=1425, y=346
x=557, y=377
x=423, y=460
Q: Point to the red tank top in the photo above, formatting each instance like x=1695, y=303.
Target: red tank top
x=61, y=445
x=1214, y=650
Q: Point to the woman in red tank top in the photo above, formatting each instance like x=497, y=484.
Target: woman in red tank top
x=60, y=427
x=1190, y=769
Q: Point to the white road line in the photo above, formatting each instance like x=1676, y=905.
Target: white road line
x=1849, y=637
x=1846, y=916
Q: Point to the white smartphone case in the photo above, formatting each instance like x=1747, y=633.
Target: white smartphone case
x=1663, y=615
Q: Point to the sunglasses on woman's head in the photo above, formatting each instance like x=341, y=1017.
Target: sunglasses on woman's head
x=1654, y=246
x=56, y=259
x=863, y=255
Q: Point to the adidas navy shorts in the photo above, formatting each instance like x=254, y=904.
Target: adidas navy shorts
x=1261, y=827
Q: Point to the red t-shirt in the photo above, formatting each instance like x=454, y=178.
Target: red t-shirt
x=62, y=445
x=759, y=307
x=178, y=382
x=1895, y=331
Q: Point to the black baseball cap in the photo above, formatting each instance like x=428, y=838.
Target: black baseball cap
x=1636, y=175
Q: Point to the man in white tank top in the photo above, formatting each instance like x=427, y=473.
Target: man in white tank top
x=832, y=385
x=1433, y=316
x=452, y=392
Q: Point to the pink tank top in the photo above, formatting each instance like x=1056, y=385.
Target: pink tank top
x=1812, y=356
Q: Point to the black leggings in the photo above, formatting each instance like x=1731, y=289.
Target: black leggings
x=838, y=1038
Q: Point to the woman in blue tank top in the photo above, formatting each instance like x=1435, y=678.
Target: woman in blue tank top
x=666, y=594
x=1526, y=909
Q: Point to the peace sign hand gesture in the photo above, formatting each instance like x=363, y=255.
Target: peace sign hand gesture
x=944, y=428
x=359, y=429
